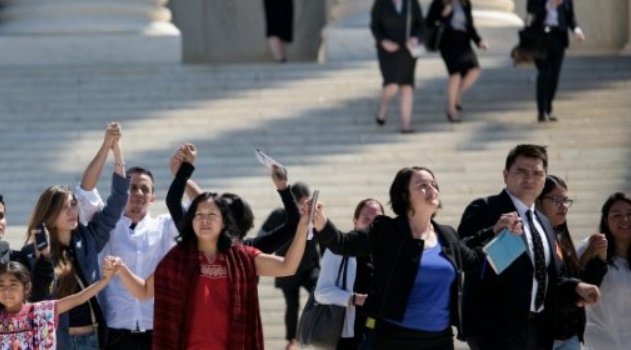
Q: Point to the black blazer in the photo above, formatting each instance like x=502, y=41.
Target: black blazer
x=498, y=305
x=435, y=18
x=567, y=19
x=396, y=257
x=387, y=23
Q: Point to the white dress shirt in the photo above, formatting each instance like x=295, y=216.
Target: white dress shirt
x=141, y=249
x=328, y=293
x=521, y=210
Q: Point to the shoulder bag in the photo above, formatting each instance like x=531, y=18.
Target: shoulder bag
x=321, y=325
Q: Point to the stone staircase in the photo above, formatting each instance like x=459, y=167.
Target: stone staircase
x=319, y=121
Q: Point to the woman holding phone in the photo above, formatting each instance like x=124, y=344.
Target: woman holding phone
x=72, y=253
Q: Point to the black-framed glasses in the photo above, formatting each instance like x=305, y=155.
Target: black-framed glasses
x=559, y=201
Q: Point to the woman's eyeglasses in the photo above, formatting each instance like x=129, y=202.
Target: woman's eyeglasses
x=559, y=201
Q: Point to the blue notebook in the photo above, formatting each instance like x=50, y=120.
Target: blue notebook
x=502, y=250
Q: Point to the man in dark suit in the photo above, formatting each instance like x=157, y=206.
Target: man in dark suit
x=514, y=310
x=554, y=18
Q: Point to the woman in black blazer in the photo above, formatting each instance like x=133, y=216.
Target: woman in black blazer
x=554, y=18
x=417, y=262
x=394, y=34
x=455, y=49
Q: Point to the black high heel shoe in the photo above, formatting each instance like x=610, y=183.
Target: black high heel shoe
x=379, y=121
x=453, y=119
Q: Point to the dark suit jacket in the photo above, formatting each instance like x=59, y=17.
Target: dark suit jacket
x=434, y=18
x=387, y=23
x=567, y=19
x=396, y=257
x=498, y=305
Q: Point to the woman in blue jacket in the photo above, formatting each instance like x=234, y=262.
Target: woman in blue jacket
x=73, y=253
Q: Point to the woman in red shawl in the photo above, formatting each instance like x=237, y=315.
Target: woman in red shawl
x=205, y=288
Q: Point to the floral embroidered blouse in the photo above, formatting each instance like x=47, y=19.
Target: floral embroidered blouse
x=31, y=328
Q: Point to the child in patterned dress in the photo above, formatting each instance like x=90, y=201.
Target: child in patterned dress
x=31, y=326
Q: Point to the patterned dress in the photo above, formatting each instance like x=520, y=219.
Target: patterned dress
x=32, y=328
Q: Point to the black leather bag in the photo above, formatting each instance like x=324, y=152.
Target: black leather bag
x=321, y=325
x=532, y=45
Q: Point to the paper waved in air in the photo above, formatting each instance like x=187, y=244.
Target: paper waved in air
x=266, y=160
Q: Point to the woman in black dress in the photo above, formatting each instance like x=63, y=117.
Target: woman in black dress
x=455, y=49
x=394, y=38
x=279, y=17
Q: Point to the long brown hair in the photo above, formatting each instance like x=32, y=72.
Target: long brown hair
x=50, y=204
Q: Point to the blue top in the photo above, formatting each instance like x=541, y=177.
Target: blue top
x=428, y=305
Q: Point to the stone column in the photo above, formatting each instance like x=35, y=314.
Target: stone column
x=626, y=50
x=495, y=13
x=73, y=31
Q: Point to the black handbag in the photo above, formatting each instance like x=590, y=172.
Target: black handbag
x=533, y=44
x=321, y=325
x=434, y=36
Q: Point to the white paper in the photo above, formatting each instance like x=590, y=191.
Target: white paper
x=266, y=160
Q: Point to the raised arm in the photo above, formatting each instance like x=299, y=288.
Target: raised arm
x=93, y=172
x=81, y=297
x=354, y=243
x=280, y=235
x=90, y=202
x=179, y=184
x=192, y=188
x=105, y=221
x=272, y=265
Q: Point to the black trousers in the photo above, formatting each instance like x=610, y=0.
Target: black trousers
x=124, y=339
x=389, y=336
x=549, y=70
x=529, y=338
x=292, y=301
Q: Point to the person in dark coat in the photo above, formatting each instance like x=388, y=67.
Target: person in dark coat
x=553, y=18
x=397, y=26
x=279, y=20
x=308, y=270
x=455, y=48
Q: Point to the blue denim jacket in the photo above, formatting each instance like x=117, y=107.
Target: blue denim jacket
x=87, y=242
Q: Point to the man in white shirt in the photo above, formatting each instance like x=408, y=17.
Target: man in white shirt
x=139, y=239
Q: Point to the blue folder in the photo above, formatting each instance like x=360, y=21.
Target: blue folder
x=502, y=250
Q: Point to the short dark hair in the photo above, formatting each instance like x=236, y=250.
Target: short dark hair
x=604, y=224
x=400, y=189
x=141, y=171
x=528, y=151
x=187, y=235
x=300, y=190
x=241, y=213
x=2, y=201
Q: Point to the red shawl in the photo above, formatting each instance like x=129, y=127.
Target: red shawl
x=173, y=284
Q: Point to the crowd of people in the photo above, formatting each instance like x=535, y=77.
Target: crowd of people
x=398, y=27
x=189, y=279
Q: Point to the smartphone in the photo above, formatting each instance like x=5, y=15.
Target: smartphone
x=41, y=241
x=314, y=202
